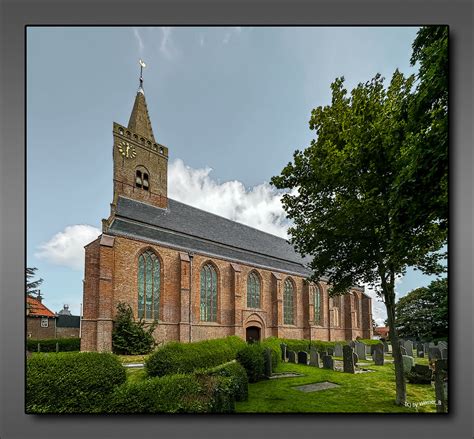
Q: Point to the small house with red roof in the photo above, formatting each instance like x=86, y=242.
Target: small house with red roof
x=40, y=321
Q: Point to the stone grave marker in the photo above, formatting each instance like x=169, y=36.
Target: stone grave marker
x=338, y=350
x=378, y=354
x=348, y=359
x=352, y=344
x=303, y=357
x=434, y=353
x=385, y=346
x=355, y=358
x=291, y=356
x=330, y=351
x=360, y=350
x=444, y=354
x=409, y=348
x=442, y=345
x=422, y=374
x=403, y=350
x=408, y=363
x=283, y=347
x=368, y=349
x=328, y=362
x=313, y=357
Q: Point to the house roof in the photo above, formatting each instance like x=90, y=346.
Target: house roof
x=67, y=321
x=37, y=309
x=193, y=229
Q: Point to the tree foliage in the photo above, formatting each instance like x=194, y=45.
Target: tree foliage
x=423, y=313
x=130, y=337
x=32, y=286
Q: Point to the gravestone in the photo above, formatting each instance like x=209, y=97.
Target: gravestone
x=409, y=347
x=351, y=344
x=368, y=349
x=421, y=354
x=408, y=363
x=328, y=362
x=356, y=358
x=403, y=350
x=378, y=355
x=360, y=350
x=348, y=359
x=330, y=351
x=385, y=346
x=420, y=374
x=442, y=345
x=322, y=353
x=313, y=358
x=338, y=350
x=444, y=354
x=291, y=356
x=283, y=347
x=268, y=362
x=426, y=346
x=303, y=357
x=441, y=381
x=434, y=353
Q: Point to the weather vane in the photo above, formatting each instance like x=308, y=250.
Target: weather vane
x=142, y=64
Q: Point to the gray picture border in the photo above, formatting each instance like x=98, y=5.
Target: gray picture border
x=16, y=14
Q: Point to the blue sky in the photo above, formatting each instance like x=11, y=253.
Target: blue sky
x=230, y=103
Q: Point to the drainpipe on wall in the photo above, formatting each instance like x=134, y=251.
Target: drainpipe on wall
x=191, y=255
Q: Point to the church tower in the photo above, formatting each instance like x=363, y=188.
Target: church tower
x=140, y=163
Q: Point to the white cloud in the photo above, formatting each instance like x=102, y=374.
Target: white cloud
x=165, y=41
x=259, y=206
x=139, y=40
x=67, y=247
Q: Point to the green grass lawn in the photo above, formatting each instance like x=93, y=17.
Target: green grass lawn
x=124, y=359
x=372, y=392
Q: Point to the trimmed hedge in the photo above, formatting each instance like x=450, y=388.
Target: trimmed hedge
x=369, y=342
x=252, y=359
x=49, y=345
x=274, y=344
x=304, y=345
x=181, y=358
x=71, y=382
x=174, y=394
x=236, y=372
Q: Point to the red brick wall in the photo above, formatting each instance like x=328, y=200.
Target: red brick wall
x=34, y=329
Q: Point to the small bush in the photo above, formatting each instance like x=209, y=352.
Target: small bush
x=178, y=357
x=305, y=345
x=252, y=359
x=71, y=382
x=177, y=393
x=239, y=381
x=49, y=345
x=130, y=337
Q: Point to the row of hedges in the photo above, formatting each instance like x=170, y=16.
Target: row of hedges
x=71, y=382
x=304, y=345
x=178, y=357
x=49, y=345
x=96, y=383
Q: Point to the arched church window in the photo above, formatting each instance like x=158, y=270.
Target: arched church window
x=253, y=290
x=317, y=305
x=288, y=302
x=146, y=184
x=336, y=311
x=149, y=279
x=208, y=305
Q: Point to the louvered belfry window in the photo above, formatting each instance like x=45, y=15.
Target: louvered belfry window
x=149, y=280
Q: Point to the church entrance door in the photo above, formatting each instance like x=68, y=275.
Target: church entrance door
x=252, y=334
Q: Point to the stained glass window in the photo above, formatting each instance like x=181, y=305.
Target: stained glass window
x=149, y=274
x=288, y=299
x=208, y=309
x=253, y=291
x=317, y=305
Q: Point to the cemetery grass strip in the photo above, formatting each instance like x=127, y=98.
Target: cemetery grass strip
x=359, y=393
x=134, y=375
x=132, y=358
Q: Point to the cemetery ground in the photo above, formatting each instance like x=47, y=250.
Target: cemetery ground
x=371, y=392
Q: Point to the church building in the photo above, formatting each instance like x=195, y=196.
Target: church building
x=198, y=274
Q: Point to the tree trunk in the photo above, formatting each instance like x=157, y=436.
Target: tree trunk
x=389, y=298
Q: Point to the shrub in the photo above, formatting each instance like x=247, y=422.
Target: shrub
x=71, y=382
x=177, y=393
x=178, y=357
x=130, y=337
x=305, y=345
x=239, y=381
x=251, y=358
x=49, y=345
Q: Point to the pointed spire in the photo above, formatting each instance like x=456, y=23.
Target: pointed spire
x=139, y=119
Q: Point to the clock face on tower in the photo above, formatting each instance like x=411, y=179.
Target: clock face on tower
x=126, y=149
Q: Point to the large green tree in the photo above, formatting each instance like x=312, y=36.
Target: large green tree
x=423, y=312
x=345, y=210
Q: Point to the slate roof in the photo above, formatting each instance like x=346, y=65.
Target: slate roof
x=188, y=228
x=67, y=321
